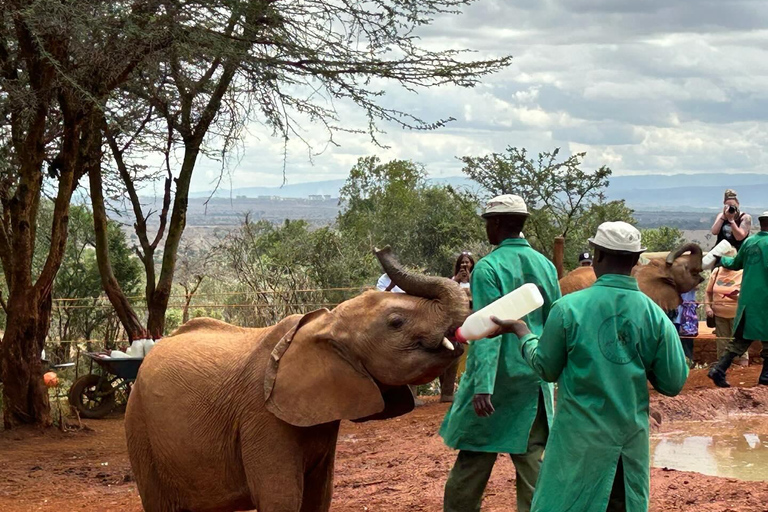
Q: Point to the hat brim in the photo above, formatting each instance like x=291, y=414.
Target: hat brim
x=616, y=251
x=507, y=214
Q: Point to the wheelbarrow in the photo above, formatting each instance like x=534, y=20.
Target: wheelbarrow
x=94, y=394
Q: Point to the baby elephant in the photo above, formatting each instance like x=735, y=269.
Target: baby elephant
x=223, y=418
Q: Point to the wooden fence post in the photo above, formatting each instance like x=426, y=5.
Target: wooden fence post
x=559, y=255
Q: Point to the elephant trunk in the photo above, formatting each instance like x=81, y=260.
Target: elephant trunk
x=428, y=287
x=694, y=249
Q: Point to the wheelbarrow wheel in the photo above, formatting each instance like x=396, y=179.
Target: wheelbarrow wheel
x=93, y=397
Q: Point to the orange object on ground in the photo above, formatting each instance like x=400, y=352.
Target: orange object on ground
x=51, y=379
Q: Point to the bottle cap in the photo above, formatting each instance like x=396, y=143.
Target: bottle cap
x=459, y=338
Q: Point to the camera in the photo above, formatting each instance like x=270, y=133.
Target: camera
x=732, y=209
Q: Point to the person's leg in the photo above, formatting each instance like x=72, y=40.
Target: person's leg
x=764, y=374
x=467, y=480
x=618, y=501
x=687, y=342
x=527, y=465
x=743, y=359
x=735, y=348
x=723, y=332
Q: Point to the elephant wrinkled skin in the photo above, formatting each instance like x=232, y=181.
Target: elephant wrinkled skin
x=663, y=280
x=223, y=418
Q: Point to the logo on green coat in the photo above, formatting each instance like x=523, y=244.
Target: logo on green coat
x=617, y=338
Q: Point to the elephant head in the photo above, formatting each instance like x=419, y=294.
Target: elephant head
x=356, y=361
x=665, y=280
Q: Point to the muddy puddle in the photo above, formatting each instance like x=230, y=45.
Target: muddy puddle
x=733, y=448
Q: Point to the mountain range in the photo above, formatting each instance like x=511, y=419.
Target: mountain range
x=668, y=192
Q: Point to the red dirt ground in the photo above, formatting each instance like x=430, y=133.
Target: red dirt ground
x=396, y=465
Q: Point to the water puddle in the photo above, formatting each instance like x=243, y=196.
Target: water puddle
x=733, y=448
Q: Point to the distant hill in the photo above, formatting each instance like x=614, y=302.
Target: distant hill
x=293, y=190
x=751, y=197
x=675, y=192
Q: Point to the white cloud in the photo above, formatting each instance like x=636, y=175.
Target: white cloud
x=656, y=86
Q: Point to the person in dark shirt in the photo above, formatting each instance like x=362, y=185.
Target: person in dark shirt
x=732, y=224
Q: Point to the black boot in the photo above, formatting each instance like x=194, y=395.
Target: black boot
x=764, y=374
x=717, y=373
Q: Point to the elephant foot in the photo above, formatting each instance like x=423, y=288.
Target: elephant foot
x=446, y=399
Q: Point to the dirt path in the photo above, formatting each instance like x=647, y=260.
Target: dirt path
x=391, y=466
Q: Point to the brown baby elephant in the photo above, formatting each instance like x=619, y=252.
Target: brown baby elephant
x=223, y=418
x=663, y=280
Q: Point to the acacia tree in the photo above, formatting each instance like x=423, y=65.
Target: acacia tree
x=564, y=200
x=392, y=203
x=663, y=238
x=59, y=61
x=281, y=64
x=195, y=264
x=78, y=277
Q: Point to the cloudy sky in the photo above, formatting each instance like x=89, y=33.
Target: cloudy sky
x=644, y=86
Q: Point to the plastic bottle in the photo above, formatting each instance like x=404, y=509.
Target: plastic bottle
x=708, y=261
x=513, y=306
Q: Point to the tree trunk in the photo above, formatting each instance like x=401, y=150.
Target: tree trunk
x=156, y=321
x=185, y=311
x=158, y=302
x=25, y=397
x=133, y=327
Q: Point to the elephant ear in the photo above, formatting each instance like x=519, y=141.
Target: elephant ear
x=309, y=381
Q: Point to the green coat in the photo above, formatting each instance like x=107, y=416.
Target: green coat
x=601, y=345
x=753, y=297
x=495, y=365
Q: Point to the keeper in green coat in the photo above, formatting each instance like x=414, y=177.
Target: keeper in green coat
x=751, y=322
x=501, y=405
x=602, y=345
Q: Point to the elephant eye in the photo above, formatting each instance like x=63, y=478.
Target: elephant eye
x=396, y=322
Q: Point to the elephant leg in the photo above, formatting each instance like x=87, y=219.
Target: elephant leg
x=416, y=400
x=154, y=496
x=318, y=485
x=274, y=470
x=448, y=382
x=277, y=492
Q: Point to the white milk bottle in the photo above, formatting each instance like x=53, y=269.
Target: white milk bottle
x=513, y=306
x=708, y=261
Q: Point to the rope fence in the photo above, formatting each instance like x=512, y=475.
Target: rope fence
x=191, y=306
x=198, y=301
x=222, y=294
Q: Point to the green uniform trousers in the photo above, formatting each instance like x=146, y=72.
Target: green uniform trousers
x=723, y=331
x=469, y=476
x=739, y=345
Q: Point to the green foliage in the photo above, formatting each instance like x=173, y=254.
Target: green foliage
x=563, y=199
x=662, y=239
x=172, y=320
x=597, y=213
x=78, y=277
x=392, y=204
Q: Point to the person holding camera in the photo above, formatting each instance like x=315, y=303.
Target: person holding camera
x=732, y=224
